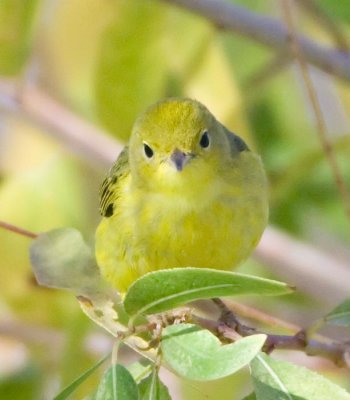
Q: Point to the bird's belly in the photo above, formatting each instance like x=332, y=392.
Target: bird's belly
x=218, y=235
x=208, y=237
x=173, y=234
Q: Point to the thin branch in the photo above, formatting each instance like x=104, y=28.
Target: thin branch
x=316, y=10
x=18, y=230
x=252, y=313
x=229, y=325
x=300, y=57
x=267, y=31
x=298, y=262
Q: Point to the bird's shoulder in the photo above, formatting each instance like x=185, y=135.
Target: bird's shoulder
x=236, y=143
x=110, y=187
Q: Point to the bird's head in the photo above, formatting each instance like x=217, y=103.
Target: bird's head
x=177, y=141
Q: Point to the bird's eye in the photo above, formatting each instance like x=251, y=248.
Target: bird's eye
x=205, y=140
x=148, y=151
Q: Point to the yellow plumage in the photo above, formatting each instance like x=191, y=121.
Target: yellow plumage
x=186, y=192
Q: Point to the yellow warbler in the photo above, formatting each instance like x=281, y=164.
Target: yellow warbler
x=185, y=192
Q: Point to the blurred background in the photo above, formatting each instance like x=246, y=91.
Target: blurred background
x=73, y=76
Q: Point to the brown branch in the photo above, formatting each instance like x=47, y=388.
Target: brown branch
x=267, y=31
x=300, y=57
x=298, y=262
x=252, y=313
x=228, y=326
x=316, y=10
x=18, y=230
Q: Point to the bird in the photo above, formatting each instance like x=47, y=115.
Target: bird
x=184, y=192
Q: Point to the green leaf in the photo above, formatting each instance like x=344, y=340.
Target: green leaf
x=152, y=388
x=61, y=259
x=16, y=21
x=340, y=315
x=117, y=384
x=130, y=73
x=251, y=396
x=140, y=369
x=67, y=391
x=339, y=10
x=279, y=380
x=165, y=289
x=197, y=354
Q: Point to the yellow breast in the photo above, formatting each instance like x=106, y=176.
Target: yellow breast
x=212, y=224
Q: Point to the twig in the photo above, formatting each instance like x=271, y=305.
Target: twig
x=267, y=31
x=252, y=313
x=315, y=9
x=300, y=263
x=298, y=52
x=18, y=230
x=229, y=325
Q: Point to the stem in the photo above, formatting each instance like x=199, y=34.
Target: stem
x=18, y=230
x=229, y=326
x=267, y=31
x=326, y=20
x=300, y=56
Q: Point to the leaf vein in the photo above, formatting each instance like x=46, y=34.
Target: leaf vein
x=275, y=377
x=180, y=294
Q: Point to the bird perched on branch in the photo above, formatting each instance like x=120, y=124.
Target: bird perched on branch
x=185, y=192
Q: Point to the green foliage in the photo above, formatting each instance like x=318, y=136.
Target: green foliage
x=61, y=259
x=16, y=17
x=277, y=380
x=114, y=58
x=22, y=385
x=197, y=354
x=117, y=383
x=66, y=392
x=153, y=388
x=339, y=10
x=340, y=315
x=251, y=396
x=162, y=290
x=130, y=72
x=141, y=369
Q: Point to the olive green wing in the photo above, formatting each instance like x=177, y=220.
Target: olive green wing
x=109, y=190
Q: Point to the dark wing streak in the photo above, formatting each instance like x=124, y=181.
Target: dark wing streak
x=109, y=187
x=237, y=144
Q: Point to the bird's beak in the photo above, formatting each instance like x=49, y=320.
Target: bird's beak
x=179, y=159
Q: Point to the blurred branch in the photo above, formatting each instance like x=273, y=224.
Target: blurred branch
x=16, y=229
x=245, y=311
x=295, y=46
x=229, y=326
x=309, y=268
x=69, y=128
x=32, y=333
x=299, y=262
x=326, y=20
x=269, y=32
